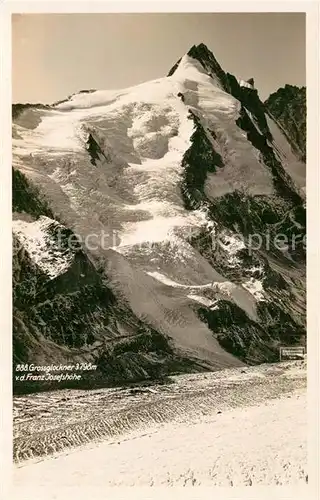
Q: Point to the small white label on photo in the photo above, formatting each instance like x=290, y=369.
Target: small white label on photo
x=292, y=353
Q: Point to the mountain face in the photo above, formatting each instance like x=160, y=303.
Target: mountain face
x=288, y=108
x=147, y=225
x=64, y=310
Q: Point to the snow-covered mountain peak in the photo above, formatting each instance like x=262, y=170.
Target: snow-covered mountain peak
x=170, y=178
x=131, y=144
x=191, y=70
x=204, y=60
x=205, y=56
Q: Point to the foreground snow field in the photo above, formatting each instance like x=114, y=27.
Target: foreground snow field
x=230, y=428
x=255, y=445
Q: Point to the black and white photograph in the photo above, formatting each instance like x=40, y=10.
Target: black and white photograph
x=159, y=201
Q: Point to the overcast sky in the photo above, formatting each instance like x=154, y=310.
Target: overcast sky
x=55, y=55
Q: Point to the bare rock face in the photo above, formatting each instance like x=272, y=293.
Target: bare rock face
x=288, y=107
x=192, y=182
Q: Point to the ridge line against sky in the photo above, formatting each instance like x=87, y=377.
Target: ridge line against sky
x=55, y=55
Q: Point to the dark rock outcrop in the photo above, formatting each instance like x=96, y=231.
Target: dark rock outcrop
x=288, y=107
x=18, y=108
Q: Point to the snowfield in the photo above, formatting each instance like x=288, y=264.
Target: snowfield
x=229, y=428
x=255, y=446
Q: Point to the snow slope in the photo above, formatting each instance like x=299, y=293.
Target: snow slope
x=192, y=432
x=43, y=247
x=209, y=453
